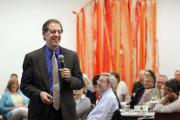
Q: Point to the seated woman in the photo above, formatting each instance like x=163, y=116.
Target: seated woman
x=83, y=103
x=147, y=92
x=13, y=103
x=169, y=103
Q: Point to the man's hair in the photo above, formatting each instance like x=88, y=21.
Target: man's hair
x=174, y=85
x=162, y=75
x=110, y=78
x=94, y=80
x=45, y=26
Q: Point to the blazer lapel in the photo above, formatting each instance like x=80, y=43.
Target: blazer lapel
x=43, y=68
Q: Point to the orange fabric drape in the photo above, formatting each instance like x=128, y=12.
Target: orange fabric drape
x=117, y=35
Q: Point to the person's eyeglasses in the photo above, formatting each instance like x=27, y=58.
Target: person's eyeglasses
x=101, y=81
x=167, y=88
x=55, y=31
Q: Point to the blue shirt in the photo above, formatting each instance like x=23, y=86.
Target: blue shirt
x=49, y=53
x=106, y=107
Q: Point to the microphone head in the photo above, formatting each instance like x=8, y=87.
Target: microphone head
x=61, y=58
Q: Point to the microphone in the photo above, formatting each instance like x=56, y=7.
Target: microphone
x=61, y=59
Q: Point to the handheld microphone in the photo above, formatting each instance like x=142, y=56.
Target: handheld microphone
x=61, y=59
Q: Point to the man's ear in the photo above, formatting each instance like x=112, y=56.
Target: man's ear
x=44, y=34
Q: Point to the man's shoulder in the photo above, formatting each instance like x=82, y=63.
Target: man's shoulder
x=137, y=83
x=66, y=50
x=35, y=52
x=109, y=94
x=122, y=83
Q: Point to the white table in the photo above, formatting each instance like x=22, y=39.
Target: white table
x=129, y=114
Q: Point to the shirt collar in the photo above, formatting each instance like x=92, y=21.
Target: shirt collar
x=83, y=96
x=50, y=52
x=107, y=91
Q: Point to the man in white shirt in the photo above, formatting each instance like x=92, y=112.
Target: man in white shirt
x=108, y=103
x=160, y=82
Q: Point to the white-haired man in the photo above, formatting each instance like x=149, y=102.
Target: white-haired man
x=159, y=86
x=108, y=104
x=160, y=82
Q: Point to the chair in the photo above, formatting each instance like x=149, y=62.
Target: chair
x=167, y=116
x=117, y=115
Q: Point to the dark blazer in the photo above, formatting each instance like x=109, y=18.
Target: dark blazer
x=137, y=86
x=35, y=79
x=137, y=97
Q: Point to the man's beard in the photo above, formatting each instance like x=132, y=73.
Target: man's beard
x=100, y=89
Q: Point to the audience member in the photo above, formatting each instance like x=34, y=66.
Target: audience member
x=13, y=103
x=83, y=103
x=161, y=79
x=147, y=92
x=94, y=95
x=108, y=103
x=177, y=75
x=121, y=88
x=13, y=76
x=160, y=82
x=88, y=92
x=138, y=84
x=170, y=102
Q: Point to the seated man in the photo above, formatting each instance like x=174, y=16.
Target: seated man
x=108, y=104
x=161, y=79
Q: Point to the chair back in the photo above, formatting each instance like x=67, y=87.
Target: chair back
x=167, y=116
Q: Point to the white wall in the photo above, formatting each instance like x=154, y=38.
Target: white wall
x=168, y=34
x=20, y=30
x=21, y=22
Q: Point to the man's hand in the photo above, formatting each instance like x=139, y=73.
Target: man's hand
x=65, y=73
x=46, y=98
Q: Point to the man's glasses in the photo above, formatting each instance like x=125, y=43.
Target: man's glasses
x=101, y=81
x=55, y=31
x=167, y=88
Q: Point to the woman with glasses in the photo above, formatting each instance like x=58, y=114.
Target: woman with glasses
x=170, y=102
x=145, y=94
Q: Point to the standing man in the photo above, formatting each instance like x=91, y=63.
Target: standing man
x=108, y=103
x=47, y=83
